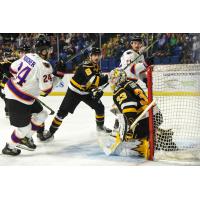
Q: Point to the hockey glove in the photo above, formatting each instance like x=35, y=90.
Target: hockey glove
x=103, y=79
x=97, y=94
x=60, y=69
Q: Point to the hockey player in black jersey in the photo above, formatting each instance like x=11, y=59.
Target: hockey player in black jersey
x=131, y=100
x=6, y=60
x=83, y=87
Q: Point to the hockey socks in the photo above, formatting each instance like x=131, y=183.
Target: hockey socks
x=55, y=124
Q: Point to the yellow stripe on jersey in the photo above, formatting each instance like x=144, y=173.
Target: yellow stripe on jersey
x=127, y=110
x=76, y=84
x=97, y=81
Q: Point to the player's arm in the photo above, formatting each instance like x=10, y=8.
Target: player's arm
x=15, y=67
x=137, y=91
x=60, y=69
x=90, y=77
x=47, y=81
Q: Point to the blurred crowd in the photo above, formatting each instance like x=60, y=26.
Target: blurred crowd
x=183, y=46
x=171, y=48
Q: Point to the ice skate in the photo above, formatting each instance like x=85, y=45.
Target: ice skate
x=9, y=151
x=27, y=144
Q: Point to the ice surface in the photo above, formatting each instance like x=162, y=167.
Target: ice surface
x=75, y=142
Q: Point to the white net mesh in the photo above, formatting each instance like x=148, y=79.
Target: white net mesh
x=176, y=89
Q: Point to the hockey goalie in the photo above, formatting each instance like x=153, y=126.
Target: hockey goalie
x=130, y=103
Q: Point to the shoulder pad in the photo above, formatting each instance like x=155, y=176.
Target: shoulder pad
x=129, y=52
x=88, y=64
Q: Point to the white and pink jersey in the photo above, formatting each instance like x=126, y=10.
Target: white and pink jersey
x=135, y=70
x=31, y=75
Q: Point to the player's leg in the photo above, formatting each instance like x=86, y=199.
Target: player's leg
x=20, y=117
x=68, y=105
x=2, y=95
x=6, y=108
x=39, y=115
x=99, y=108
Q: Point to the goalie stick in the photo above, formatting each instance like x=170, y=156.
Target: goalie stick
x=108, y=150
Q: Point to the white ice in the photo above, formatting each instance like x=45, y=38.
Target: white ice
x=75, y=142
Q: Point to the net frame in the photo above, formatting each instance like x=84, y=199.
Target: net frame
x=180, y=71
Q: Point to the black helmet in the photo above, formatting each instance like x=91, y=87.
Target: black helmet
x=7, y=52
x=24, y=47
x=42, y=43
x=136, y=38
x=95, y=50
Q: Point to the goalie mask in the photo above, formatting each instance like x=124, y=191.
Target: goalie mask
x=116, y=77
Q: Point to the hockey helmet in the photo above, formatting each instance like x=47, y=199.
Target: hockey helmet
x=7, y=52
x=135, y=38
x=42, y=43
x=24, y=48
x=95, y=50
x=116, y=77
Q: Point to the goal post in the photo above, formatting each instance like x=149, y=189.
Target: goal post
x=151, y=124
x=174, y=132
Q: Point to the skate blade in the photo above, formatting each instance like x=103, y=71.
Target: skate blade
x=21, y=146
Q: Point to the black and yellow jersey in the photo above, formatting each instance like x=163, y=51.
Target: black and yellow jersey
x=4, y=72
x=87, y=77
x=130, y=98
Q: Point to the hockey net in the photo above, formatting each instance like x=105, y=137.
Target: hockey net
x=176, y=89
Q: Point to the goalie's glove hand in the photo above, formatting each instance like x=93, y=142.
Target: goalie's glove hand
x=149, y=61
x=60, y=69
x=97, y=94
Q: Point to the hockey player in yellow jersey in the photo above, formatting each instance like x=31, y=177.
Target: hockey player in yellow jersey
x=5, y=62
x=130, y=101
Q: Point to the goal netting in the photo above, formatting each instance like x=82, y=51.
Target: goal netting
x=176, y=89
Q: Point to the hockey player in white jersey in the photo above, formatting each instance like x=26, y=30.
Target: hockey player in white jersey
x=32, y=74
x=133, y=62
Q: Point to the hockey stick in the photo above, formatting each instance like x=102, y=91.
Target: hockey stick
x=135, y=123
x=79, y=53
x=117, y=141
x=146, y=49
x=52, y=112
